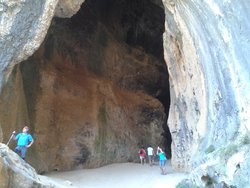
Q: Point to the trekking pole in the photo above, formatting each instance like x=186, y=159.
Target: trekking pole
x=11, y=137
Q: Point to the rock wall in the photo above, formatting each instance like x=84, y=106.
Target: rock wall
x=19, y=38
x=23, y=28
x=187, y=116
x=83, y=120
x=206, y=47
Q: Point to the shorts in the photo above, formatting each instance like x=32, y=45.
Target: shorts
x=162, y=163
x=150, y=157
x=142, y=157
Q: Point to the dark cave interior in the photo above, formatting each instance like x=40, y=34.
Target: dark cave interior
x=138, y=24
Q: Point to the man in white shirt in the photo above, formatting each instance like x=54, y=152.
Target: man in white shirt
x=150, y=151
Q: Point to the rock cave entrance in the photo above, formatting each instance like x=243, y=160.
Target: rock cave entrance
x=137, y=25
x=99, y=80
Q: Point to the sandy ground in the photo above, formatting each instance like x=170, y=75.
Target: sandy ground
x=123, y=175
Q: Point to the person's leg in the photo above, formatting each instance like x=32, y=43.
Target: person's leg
x=17, y=149
x=164, y=167
x=141, y=159
x=150, y=160
x=161, y=164
x=23, y=152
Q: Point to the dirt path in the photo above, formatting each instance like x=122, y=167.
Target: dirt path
x=124, y=175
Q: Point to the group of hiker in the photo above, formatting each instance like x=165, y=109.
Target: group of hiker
x=25, y=140
x=151, y=157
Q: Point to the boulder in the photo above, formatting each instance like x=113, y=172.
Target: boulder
x=15, y=172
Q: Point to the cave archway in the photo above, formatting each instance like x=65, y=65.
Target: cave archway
x=138, y=24
x=99, y=80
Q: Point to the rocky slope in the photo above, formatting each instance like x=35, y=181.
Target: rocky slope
x=14, y=172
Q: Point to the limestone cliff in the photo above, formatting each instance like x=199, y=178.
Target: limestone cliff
x=206, y=49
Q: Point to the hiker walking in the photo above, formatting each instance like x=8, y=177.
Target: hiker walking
x=24, y=141
x=150, y=151
x=162, y=160
x=142, y=155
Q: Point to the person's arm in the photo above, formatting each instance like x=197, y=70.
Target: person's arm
x=31, y=141
x=15, y=137
x=158, y=149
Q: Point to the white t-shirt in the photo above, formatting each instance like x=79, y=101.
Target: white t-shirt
x=150, y=150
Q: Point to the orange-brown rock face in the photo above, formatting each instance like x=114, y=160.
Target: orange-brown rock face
x=88, y=97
